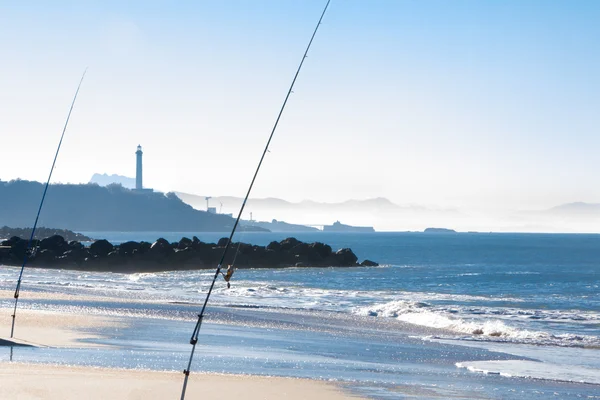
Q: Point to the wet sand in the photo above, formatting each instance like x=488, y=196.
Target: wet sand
x=52, y=329
x=43, y=381
x=29, y=381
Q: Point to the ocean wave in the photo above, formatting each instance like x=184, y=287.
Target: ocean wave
x=478, y=325
x=534, y=370
x=392, y=309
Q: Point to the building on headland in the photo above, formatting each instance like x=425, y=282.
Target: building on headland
x=139, y=186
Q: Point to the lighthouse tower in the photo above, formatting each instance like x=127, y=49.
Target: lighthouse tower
x=138, y=168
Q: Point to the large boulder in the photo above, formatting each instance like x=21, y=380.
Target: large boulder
x=74, y=256
x=12, y=241
x=184, y=243
x=222, y=242
x=275, y=246
x=144, y=247
x=101, y=248
x=195, y=241
x=289, y=243
x=55, y=243
x=161, y=246
x=369, y=263
x=323, y=250
x=45, y=256
x=18, y=247
x=244, y=248
x=129, y=248
x=75, y=245
x=301, y=250
x=345, y=258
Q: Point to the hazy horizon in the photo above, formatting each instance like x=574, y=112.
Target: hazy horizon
x=483, y=107
x=385, y=215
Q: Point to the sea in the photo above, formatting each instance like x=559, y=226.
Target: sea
x=445, y=315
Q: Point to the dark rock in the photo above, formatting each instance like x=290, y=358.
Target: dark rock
x=101, y=248
x=128, y=248
x=45, y=256
x=74, y=256
x=73, y=245
x=258, y=251
x=12, y=241
x=56, y=243
x=345, y=257
x=161, y=255
x=323, y=250
x=274, y=246
x=222, y=242
x=144, y=247
x=18, y=248
x=289, y=243
x=244, y=248
x=161, y=246
x=369, y=263
x=185, y=243
x=301, y=249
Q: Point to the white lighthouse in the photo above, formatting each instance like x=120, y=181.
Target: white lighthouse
x=138, y=168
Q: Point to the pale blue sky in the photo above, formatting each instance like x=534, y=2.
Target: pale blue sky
x=468, y=104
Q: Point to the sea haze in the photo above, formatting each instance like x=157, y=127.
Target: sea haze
x=463, y=315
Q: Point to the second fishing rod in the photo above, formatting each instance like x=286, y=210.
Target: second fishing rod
x=37, y=217
x=195, y=333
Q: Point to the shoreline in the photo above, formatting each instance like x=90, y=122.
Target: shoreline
x=39, y=328
x=65, y=330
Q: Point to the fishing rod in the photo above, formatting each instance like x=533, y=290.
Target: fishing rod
x=29, y=243
x=194, y=338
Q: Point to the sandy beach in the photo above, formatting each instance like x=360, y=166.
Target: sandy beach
x=27, y=381
x=62, y=330
x=52, y=329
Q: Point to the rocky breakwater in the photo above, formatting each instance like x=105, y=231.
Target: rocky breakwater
x=186, y=254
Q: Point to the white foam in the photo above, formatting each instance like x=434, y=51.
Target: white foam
x=535, y=370
x=477, y=325
x=392, y=309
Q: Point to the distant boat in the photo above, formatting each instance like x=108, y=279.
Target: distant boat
x=339, y=227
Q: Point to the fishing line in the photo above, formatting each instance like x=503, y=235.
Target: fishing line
x=194, y=338
x=28, y=249
x=231, y=267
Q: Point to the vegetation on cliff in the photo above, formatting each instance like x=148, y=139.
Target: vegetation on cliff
x=91, y=207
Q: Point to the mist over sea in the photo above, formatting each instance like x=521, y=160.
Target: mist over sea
x=467, y=315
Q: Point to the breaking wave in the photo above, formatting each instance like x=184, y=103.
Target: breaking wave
x=534, y=370
x=471, y=325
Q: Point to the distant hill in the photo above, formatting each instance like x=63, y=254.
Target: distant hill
x=280, y=226
x=379, y=212
x=270, y=203
x=575, y=208
x=105, y=180
x=91, y=207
